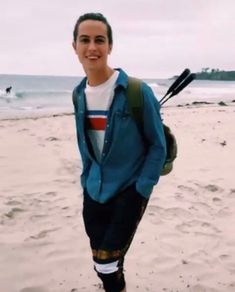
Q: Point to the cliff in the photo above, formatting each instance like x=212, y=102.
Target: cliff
x=216, y=74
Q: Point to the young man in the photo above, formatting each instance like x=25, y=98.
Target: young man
x=120, y=166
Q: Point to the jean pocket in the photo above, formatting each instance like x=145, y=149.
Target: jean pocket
x=132, y=193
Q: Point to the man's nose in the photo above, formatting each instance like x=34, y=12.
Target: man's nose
x=92, y=45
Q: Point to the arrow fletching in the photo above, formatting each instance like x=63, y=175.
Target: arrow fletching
x=182, y=76
x=176, y=83
x=188, y=80
x=181, y=86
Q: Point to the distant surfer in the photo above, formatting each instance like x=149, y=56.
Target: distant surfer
x=8, y=90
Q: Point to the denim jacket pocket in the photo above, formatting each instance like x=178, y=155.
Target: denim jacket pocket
x=123, y=116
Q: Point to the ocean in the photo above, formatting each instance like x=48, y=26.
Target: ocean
x=42, y=95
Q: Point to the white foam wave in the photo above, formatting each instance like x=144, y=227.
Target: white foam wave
x=35, y=93
x=155, y=85
x=7, y=96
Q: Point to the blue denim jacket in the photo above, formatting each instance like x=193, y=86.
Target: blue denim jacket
x=127, y=158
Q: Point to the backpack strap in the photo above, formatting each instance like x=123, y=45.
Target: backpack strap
x=136, y=104
x=135, y=101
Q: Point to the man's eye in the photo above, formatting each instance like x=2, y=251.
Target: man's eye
x=100, y=41
x=84, y=40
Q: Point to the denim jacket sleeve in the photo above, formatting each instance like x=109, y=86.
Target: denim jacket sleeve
x=155, y=139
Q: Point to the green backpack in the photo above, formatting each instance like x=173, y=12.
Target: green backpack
x=135, y=102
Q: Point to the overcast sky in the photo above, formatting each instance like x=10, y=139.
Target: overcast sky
x=152, y=38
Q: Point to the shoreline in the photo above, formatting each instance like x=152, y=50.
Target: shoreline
x=47, y=114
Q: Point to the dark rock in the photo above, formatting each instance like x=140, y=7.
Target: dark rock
x=224, y=143
x=200, y=102
x=221, y=103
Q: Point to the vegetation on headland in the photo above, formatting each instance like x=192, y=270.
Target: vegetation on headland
x=215, y=74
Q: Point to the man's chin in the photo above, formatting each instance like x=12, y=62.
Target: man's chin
x=91, y=68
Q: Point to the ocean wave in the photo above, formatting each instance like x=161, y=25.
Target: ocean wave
x=153, y=84
x=51, y=93
x=34, y=94
x=7, y=96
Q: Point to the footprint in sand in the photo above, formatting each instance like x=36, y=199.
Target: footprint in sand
x=158, y=213
x=44, y=233
x=228, y=262
x=198, y=227
x=224, y=257
x=68, y=167
x=32, y=194
x=210, y=187
x=179, y=196
x=51, y=194
x=34, y=289
x=37, y=217
x=223, y=212
x=213, y=188
x=155, y=214
x=202, y=207
x=155, y=210
x=202, y=288
x=232, y=193
x=23, y=130
x=52, y=139
x=176, y=212
x=13, y=203
x=186, y=188
x=217, y=201
x=12, y=213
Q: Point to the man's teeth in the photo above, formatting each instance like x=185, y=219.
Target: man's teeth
x=92, y=57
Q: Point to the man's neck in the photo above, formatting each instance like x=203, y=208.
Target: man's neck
x=96, y=78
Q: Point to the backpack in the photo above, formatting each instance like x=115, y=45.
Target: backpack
x=135, y=102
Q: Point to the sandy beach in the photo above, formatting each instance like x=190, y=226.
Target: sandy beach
x=185, y=242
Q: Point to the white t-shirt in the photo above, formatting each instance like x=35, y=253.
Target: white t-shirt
x=98, y=101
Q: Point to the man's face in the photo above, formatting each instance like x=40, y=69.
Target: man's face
x=92, y=46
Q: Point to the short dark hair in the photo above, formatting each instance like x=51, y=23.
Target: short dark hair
x=93, y=16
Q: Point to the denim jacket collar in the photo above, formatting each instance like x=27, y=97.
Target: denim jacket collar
x=121, y=81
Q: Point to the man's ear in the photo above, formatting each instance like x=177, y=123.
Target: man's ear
x=110, y=48
x=74, y=46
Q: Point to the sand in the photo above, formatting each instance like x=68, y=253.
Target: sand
x=185, y=242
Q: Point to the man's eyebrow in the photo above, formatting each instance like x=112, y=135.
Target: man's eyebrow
x=87, y=36
x=83, y=36
x=100, y=36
